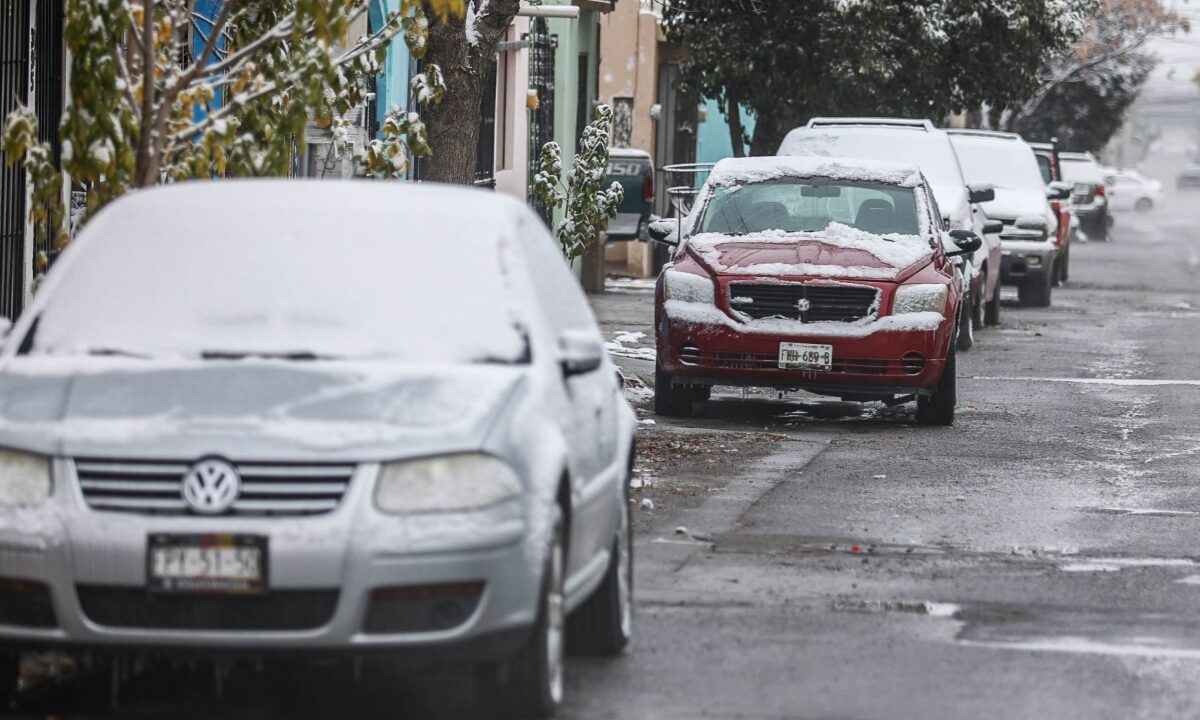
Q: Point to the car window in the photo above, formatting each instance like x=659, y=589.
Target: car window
x=243, y=293
x=559, y=297
x=1045, y=168
x=797, y=205
x=1003, y=163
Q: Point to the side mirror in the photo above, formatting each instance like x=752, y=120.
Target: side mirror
x=980, y=193
x=1058, y=190
x=993, y=227
x=579, y=352
x=662, y=230
x=966, y=241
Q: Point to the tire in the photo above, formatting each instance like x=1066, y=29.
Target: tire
x=938, y=409
x=603, y=624
x=991, y=310
x=670, y=401
x=530, y=684
x=1037, y=293
x=1144, y=205
x=977, y=308
x=1064, y=264
x=701, y=393
x=966, y=330
x=1056, y=272
x=10, y=670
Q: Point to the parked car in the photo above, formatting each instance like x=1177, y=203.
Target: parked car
x=1189, y=179
x=386, y=432
x=1089, y=201
x=1030, y=225
x=1059, y=192
x=919, y=143
x=1130, y=190
x=634, y=171
x=828, y=275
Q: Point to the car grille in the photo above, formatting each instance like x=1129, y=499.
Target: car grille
x=911, y=364
x=824, y=303
x=267, y=488
x=279, y=610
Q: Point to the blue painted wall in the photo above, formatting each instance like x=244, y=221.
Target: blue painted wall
x=392, y=85
x=712, y=139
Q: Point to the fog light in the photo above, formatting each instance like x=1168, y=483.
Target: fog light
x=422, y=608
x=27, y=604
x=1033, y=261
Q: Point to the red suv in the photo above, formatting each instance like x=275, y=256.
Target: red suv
x=831, y=276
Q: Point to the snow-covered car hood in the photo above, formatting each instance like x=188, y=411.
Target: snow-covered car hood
x=1012, y=203
x=247, y=410
x=838, y=251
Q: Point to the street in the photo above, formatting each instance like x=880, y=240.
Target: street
x=798, y=558
x=1035, y=560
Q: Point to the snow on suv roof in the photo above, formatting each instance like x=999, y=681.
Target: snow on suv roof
x=870, y=122
x=733, y=171
x=995, y=134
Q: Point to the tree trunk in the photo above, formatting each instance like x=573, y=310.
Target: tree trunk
x=733, y=113
x=453, y=124
x=766, y=138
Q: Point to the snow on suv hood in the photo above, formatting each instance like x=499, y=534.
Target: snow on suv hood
x=112, y=407
x=839, y=251
x=1012, y=203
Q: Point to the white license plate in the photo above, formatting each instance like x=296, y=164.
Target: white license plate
x=802, y=356
x=219, y=563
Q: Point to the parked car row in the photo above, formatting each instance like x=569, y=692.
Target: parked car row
x=858, y=262
x=390, y=434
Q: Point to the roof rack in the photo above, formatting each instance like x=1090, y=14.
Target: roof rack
x=970, y=132
x=925, y=125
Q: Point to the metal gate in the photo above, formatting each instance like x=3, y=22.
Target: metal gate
x=485, y=148
x=541, y=119
x=14, y=88
x=48, y=99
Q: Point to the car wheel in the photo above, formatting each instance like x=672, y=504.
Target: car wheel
x=670, y=401
x=938, y=408
x=1037, y=292
x=1144, y=205
x=10, y=669
x=530, y=684
x=1064, y=264
x=991, y=311
x=966, y=329
x=701, y=393
x=603, y=624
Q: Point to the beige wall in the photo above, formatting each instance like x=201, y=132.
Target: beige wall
x=512, y=117
x=629, y=63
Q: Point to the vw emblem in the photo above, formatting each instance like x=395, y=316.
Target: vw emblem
x=803, y=305
x=211, y=487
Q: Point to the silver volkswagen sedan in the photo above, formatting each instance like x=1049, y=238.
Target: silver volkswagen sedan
x=346, y=419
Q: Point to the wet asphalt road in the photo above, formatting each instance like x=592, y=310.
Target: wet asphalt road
x=1037, y=560
x=1040, y=559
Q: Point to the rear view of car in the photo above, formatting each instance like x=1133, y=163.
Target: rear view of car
x=1189, y=179
x=1090, y=198
x=634, y=171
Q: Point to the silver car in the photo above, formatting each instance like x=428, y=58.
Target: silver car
x=325, y=418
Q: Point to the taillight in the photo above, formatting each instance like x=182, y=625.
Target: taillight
x=1100, y=191
x=648, y=186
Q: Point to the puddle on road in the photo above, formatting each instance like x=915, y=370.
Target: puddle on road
x=1116, y=564
x=1141, y=512
x=932, y=609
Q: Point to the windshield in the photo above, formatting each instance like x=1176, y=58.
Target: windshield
x=303, y=293
x=1081, y=170
x=929, y=151
x=796, y=205
x=1003, y=163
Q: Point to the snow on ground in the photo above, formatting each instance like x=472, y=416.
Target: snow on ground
x=619, y=346
x=633, y=286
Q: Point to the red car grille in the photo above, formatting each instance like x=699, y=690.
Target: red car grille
x=910, y=364
x=807, y=303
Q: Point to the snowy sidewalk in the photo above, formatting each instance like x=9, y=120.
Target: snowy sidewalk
x=625, y=312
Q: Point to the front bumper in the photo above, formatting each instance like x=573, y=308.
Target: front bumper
x=93, y=564
x=1026, y=262
x=880, y=364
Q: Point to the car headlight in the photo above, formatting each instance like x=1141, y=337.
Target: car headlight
x=24, y=479
x=450, y=483
x=920, y=298
x=688, y=287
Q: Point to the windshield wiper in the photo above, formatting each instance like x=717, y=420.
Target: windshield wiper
x=297, y=356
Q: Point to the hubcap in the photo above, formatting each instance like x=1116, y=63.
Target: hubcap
x=555, y=621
